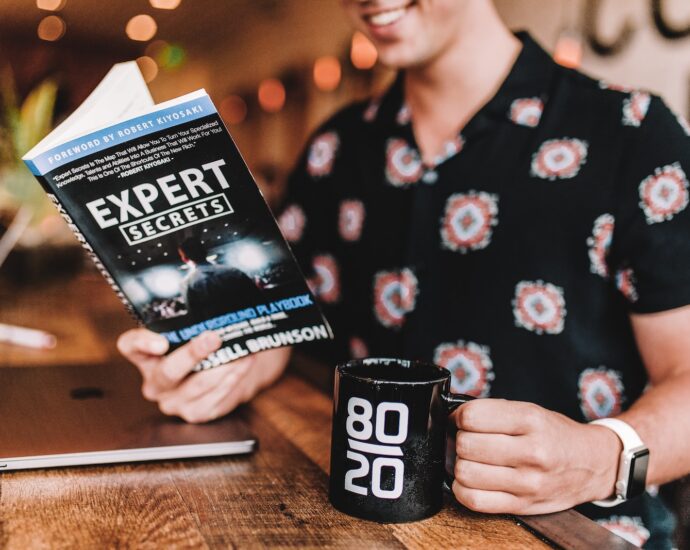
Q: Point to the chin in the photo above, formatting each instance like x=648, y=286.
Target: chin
x=401, y=56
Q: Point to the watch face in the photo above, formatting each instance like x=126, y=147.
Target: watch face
x=638, y=473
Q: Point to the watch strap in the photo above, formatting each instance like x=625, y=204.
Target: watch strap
x=630, y=440
x=623, y=430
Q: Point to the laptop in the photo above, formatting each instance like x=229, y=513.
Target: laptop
x=73, y=416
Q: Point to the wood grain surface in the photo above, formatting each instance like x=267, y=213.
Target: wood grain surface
x=276, y=497
x=60, y=309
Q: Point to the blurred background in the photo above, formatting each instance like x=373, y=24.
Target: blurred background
x=275, y=69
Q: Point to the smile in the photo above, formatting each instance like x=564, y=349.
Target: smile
x=388, y=16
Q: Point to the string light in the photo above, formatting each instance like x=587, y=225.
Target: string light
x=363, y=53
x=141, y=28
x=148, y=68
x=271, y=95
x=51, y=28
x=165, y=4
x=50, y=5
x=327, y=73
x=233, y=109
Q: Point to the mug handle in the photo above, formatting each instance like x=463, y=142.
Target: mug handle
x=452, y=401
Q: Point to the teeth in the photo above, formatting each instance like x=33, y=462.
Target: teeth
x=387, y=17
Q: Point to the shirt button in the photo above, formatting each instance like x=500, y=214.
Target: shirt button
x=430, y=177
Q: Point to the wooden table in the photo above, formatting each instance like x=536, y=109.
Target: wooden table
x=276, y=497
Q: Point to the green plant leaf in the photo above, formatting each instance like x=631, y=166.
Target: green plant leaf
x=35, y=116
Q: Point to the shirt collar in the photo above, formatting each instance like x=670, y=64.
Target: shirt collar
x=529, y=79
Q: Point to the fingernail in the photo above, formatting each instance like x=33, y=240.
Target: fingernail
x=159, y=345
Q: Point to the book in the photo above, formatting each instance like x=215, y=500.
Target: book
x=164, y=204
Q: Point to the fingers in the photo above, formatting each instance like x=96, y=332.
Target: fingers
x=499, y=416
x=222, y=394
x=222, y=400
x=490, y=502
x=203, y=396
x=474, y=475
x=142, y=347
x=495, y=449
x=170, y=371
x=194, y=386
x=200, y=384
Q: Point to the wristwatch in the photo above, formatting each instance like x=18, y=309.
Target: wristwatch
x=632, y=466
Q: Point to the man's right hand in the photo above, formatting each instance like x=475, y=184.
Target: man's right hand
x=201, y=396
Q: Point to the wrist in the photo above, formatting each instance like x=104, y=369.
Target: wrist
x=605, y=453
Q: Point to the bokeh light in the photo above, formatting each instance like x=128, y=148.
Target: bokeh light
x=51, y=28
x=327, y=73
x=148, y=68
x=271, y=95
x=167, y=56
x=50, y=5
x=249, y=256
x=141, y=28
x=363, y=53
x=165, y=4
x=233, y=109
x=136, y=292
x=163, y=281
x=568, y=51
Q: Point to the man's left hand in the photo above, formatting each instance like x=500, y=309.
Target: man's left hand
x=519, y=458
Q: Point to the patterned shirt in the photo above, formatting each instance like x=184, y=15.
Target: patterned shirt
x=515, y=258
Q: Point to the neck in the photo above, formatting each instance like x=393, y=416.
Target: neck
x=448, y=90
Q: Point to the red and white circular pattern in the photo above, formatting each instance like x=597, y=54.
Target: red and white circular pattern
x=559, y=158
x=629, y=528
x=527, y=111
x=616, y=87
x=601, y=393
x=292, y=222
x=327, y=279
x=468, y=221
x=395, y=295
x=600, y=244
x=451, y=148
x=625, y=283
x=351, y=219
x=358, y=348
x=403, y=164
x=664, y=194
x=539, y=307
x=322, y=154
x=470, y=366
x=635, y=108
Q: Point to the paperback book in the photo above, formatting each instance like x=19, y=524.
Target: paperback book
x=164, y=204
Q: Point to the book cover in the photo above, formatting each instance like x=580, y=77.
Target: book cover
x=166, y=207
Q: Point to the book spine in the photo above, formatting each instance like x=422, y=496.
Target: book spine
x=89, y=249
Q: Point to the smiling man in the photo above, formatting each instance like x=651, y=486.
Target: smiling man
x=518, y=223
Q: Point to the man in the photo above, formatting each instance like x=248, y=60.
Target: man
x=511, y=220
x=210, y=289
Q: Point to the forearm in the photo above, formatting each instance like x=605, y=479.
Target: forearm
x=661, y=417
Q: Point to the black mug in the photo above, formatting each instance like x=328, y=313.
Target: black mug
x=388, y=446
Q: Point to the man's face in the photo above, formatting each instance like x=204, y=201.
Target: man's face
x=408, y=33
